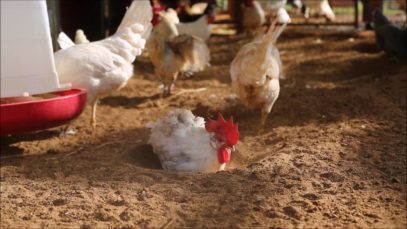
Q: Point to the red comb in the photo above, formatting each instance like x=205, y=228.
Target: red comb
x=226, y=130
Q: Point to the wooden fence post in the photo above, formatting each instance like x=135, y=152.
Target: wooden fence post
x=235, y=7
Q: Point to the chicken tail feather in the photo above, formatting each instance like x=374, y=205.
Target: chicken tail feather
x=64, y=41
x=80, y=37
x=192, y=49
x=139, y=12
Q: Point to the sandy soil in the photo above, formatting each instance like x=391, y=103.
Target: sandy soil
x=333, y=153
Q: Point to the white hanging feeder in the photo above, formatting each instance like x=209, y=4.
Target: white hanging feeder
x=27, y=64
x=27, y=68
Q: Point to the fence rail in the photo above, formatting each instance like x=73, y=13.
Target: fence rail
x=350, y=13
x=347, y=12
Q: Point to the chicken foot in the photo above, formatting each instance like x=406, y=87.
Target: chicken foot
x=168, y=81
x=222, y=167
x=67, y=130
x=167, y=89
x=262, y=123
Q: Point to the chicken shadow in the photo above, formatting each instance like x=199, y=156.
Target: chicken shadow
x=34, y=136
x=144, y=65
x=222, y=40
x=6, y=142
x=366, y=48
x=349, y=69
x=123, y=101
x=324, y=34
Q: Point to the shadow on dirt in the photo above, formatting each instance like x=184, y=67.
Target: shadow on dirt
x=144, y=65
x=123, y=101
x=7, y=148
x=100, y=158
x=143, y=156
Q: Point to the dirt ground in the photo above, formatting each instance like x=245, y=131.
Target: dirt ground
x=333, y=153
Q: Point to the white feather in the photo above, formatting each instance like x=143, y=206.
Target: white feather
x=80, y=37
x=139, y=12
x=283, y=17
x=199, y=28
x=321, y=7
x=327, y=10
x=172, y=15
x=198, y=8
x=64, y=41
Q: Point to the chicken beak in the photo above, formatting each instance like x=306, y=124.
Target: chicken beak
x=233, y=149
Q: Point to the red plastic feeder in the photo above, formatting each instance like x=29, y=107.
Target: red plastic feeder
x=25, y=114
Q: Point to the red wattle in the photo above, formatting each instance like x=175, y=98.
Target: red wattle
x=223, y=155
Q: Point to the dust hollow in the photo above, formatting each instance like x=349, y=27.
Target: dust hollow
x=333, y=153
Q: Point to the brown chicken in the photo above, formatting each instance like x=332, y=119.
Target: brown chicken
x=173, y=54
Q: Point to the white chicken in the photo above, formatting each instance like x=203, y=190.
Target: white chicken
x=184, y=142
x=172, y=54
x=253, y=16
x=104, y=66
x=199, y=28
x=319, y=7
x=255, y=72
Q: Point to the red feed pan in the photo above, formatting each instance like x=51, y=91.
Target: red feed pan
x=25, y=114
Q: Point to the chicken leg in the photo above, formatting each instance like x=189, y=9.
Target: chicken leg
x=93, y=116
x=267, y=107
x=263, y=118
x=169, y=82
x=67, y=130
x=167, y=89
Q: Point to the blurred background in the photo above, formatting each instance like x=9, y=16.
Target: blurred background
x=99, y=18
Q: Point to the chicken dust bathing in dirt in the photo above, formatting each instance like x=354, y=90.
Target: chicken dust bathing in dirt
x=332, y=152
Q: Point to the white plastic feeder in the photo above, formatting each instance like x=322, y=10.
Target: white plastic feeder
x=27, y=62
x=27, y=68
